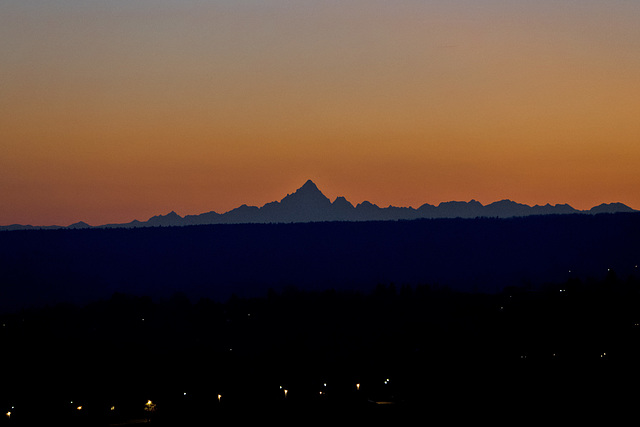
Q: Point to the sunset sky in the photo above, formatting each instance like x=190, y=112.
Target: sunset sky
x=114, y=110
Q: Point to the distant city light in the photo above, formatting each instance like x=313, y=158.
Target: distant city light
x=79, y=408
x=9, y=414
x=219, y=397
x=358, y=386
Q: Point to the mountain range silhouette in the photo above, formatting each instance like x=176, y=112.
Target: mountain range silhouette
x=309, y=204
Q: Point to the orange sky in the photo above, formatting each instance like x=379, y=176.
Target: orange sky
x=113, y=110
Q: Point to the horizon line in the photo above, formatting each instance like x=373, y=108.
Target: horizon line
x=309, y=181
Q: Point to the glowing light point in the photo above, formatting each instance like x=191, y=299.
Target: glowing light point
x=79, y=408
x=358, y=386
x=150, y=406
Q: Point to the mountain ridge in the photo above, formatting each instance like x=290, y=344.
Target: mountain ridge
x=309, y=204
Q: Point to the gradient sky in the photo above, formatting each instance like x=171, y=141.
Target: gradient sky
x=114, y=110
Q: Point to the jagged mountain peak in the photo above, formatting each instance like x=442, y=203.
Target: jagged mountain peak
x=611, y=208
x=309, y=186
x=341, y=201
x=309, y=193
x=170, y=215
x=169, y=219
x=367, y=205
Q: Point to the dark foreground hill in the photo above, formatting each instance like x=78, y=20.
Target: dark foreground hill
x=567, y=352
x=39, y=267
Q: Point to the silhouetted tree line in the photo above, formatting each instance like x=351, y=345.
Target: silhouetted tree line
x=438, y=348
x=39, y=267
